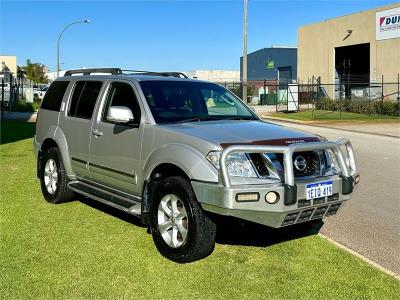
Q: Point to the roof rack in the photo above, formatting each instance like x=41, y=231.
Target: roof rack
x=151, y=73
x=112, y=71
x=118, y=71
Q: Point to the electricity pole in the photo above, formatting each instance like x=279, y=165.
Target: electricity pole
x=244, y=64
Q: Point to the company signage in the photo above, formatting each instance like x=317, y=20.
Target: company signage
x=270, y=64
x=388, y=24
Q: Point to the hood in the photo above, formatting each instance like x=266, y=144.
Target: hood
x=227, y=132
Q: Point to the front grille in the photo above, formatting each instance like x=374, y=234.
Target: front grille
x=309, y=163
x=319, y=200
x=290, y=219
x=304, y=202
x=319, y=212
x=305, y=215
x=313, y=161
x=332, y=209
x=310, y=214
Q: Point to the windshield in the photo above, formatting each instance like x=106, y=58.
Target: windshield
x=188, y=101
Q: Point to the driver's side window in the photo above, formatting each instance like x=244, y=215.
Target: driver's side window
x=121, y=94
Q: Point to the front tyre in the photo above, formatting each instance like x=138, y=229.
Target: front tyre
x=53, y=178
x=181, y=231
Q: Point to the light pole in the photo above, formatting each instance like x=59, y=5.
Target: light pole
x=244, y=65
x=58, y=42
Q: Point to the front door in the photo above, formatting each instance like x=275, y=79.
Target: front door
x=115, y=148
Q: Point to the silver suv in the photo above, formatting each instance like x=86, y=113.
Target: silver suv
x=177, y=152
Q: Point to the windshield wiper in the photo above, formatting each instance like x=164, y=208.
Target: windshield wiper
x=241, y=118
x=198, y=119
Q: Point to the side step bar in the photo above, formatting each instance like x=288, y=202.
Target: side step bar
x=107, y=197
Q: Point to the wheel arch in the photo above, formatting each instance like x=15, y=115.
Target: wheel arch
x=57, y=139
x=162, y=170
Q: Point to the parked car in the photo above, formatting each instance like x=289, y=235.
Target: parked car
x=40, y=92
x=176, y=152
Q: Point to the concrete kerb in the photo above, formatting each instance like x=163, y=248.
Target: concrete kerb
x=311, y=123
x=358, y=255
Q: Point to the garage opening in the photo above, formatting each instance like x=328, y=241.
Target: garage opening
x=352, y=64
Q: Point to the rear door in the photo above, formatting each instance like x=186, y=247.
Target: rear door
x=77, y=121
x=115, y=149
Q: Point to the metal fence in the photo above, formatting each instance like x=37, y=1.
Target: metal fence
x=379, y=98
x=13, y=89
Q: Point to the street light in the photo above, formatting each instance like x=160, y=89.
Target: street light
x=244, y=65
x=58, y=42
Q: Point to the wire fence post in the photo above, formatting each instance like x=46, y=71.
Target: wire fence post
x=369, y=101
x=382, y=89
x=398, y=94
x=241, y=88
x=265, y=93
x=340, y=98
x=2, y=100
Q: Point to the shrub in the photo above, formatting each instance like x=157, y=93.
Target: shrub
x=388, y=108
x=22, y=106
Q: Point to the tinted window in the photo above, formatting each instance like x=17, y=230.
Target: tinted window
x=54, y=95
x=122, y=94
x=183, y=101
x=76, y=95
x=84, y=98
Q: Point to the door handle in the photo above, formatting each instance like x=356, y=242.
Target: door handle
x=97, y=133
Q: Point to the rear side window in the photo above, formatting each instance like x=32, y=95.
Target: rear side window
x=54, y=95
x=84, y=99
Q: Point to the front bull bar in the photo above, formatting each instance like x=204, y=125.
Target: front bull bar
x=347, y=172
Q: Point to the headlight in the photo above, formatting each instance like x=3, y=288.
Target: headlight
x=332, y=162
x=237, y=164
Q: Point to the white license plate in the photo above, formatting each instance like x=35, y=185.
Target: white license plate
x=319, y=189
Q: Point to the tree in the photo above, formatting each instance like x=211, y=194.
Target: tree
x=20, y=73
x=35, y=72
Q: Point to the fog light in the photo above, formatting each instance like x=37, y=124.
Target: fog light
x=271, y=197
x=247, y=197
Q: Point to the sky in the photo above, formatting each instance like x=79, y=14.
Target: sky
x=167, y=35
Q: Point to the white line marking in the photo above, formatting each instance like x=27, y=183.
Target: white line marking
x=367, y=260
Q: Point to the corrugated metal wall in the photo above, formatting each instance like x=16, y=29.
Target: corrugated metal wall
x=257, y=63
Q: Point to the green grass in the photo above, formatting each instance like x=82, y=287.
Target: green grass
x=307, y=115
x=76, y=251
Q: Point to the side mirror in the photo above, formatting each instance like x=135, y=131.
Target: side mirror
x=120, y=114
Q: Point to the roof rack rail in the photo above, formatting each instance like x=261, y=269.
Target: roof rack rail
x=118, y=71
x=151, y=73
x=112, y=71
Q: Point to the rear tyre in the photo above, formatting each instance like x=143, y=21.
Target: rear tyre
x=53, y=178
x=181, y=230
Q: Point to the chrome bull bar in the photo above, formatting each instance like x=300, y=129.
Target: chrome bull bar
x=287, y=151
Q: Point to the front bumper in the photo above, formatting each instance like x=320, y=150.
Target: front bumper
x=292, y=207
